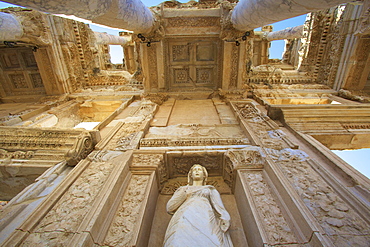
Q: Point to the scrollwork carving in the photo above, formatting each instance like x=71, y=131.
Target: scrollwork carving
x=340, y=222
x=276, y=227
x=69, y=211
x=126, y=219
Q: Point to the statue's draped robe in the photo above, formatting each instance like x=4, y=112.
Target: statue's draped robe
x=196, y=222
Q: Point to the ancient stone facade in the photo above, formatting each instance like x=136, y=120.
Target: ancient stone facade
x=194, y=90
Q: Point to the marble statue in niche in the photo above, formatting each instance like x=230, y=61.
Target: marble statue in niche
x=199, y=216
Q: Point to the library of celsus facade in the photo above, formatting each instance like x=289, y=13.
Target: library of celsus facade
x=196, y=87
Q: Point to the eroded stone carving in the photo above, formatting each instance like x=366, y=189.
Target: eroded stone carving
x=269, y=135
x=16, y=155
x=246, y=158
x=124, y=225
x=276, y=227
x=199, y=215
x=342, y=224
x=65, y=217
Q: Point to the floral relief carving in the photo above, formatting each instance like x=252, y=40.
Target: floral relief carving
x=153, y=70
x=147, y=160
x=126, y=220
x=69, y=211
x=193, y=21
x=275, y=225
x=341, y=223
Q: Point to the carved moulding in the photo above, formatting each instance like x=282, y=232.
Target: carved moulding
x=341, y=223
x=172, y=185
x=127, y=219
x=163, y=142
x=275, y=226
x=75, y=144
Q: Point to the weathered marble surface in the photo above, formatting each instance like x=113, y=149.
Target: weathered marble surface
x=250, y=14
x=199, y=217
x=108, y=39
x=10, y=28
x=287, y=33
x=127, y=14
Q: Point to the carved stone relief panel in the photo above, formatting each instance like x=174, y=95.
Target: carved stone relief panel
x=63, y=220
x=150, y=161
x=20, y=71
x=192, y=21
x=179, y=163
x=246, y=158
x=340, y=222
x=271, y=217
x=127, y=218
x=193, y=63
x=265, y=131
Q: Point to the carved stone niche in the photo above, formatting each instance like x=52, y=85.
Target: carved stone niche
x=179, y=163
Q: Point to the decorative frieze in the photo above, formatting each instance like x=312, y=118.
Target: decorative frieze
x=193, y=21
x=162, y=142
x=75, y=144
x=16, y=154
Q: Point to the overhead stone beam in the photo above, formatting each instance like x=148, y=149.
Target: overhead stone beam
x=108, y=39
x=251, y=14
x=131, y=15
x=287, y=33
x=11, y=28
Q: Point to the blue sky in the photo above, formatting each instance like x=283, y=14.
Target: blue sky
x=357, y=158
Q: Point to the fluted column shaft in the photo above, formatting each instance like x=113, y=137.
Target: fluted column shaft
x=131, y=15
x=250, y=14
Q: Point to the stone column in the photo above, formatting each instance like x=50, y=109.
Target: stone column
x=250, y=14
x=10, y=28
x=132, y=15
x=287, y=33
x=108, y=39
